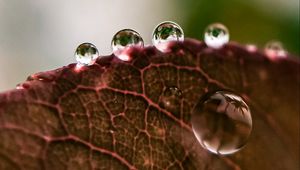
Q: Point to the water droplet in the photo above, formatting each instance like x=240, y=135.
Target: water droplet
x=47, y=77
x=216, y=35
x=19, y=86
x=86, y=54
x=222, y=122
x=171, y=98
x=123, y=40
x=166, y=32
x=22, y=86
x=251, y=48
x=275, y=49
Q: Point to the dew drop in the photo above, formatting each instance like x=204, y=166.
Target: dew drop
x=86, y=54
x=19, y=87
x=123, y=40
x=216, y=35
x=47, y=77
x=171, y=98
x=274, y=49
x=222, y=122
x=166, y=32
x=251, y=48
x=22, y=86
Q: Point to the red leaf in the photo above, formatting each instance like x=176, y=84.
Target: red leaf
x=113, y=115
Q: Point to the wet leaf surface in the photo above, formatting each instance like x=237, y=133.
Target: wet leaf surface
x=127, y=115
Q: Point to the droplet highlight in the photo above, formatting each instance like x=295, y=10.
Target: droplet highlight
x=222, y=122
x=166, y=32
x=124, y=40
x=216, y=35
x=274, y=49
x=86, y=54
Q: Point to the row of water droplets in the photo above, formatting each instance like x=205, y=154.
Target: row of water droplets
x=215, y=36
x=123, y=40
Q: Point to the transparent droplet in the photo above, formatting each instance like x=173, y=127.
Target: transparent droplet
x=216, y=35
x=86, y=54
x=48, y=77
x=251, y=48
x=123, y=40
x=222, y=122
x=275, y=49
x=171, y=98
x=19, y=87
x=22, y=86
x=166, y=32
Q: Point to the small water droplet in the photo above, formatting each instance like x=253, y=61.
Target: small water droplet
x=19, y=86
x=166, y=32
x=86, y=54
x=251, y=48
x=47, y=77
x=216, y=35
x=123, y=40
x=22, y=86
x=275, y=49
x=171, y=98
x=222, y=122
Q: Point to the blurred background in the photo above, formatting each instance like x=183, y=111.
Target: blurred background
x=40, y=35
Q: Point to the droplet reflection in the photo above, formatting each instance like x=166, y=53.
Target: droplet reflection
x=123, y=40
x=274, y=49
x=166, y=32
x=86, y=54
x=216, y=35
x=222, y=122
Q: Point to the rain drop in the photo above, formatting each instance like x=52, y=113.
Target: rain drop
x=274, y=49
x=166, y=32
x=222, y=122
x=216, y=35
x=123, y=40
x=86, y=54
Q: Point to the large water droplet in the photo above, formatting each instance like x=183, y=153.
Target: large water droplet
x=86, y=54
x=216, y=35
x=222, y=122
x=166, y=32
x=275, y=49
x=123, y=40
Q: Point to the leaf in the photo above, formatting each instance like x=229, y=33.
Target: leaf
x=112, y=115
